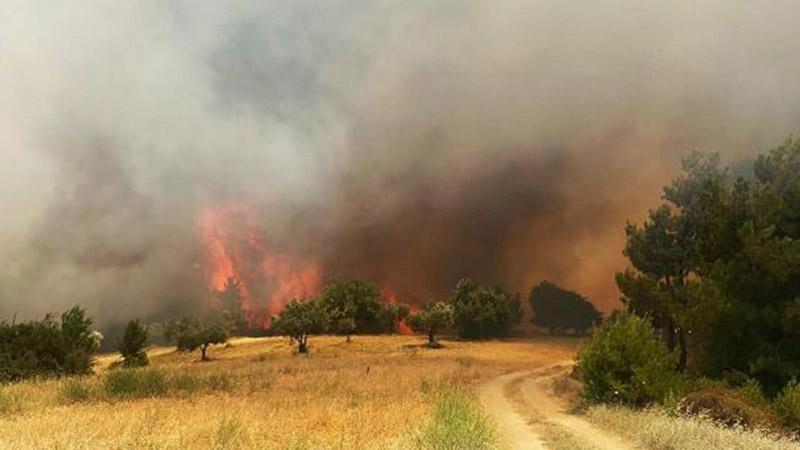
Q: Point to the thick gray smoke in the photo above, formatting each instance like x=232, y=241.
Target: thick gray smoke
x=409, y=143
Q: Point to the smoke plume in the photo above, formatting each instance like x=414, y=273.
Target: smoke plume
x=406, y=143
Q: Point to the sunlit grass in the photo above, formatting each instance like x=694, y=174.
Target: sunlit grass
x=655, y=429
x=457, y=422
x=257, y=394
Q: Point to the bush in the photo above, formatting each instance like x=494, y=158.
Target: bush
x=185, y=383
x=220, y=382
x=141, y=383
x=787, y=405
x=77, y=390
x=134, y=341
x=624, y=362
x=729, y=407
x=47, y=347
x=135, y=384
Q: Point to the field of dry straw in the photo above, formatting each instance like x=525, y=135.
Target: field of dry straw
x=372, y=393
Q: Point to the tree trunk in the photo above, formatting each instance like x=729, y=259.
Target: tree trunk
x=683, y=355
x=348, y=338
x=203, y=349
x=302, y=345
x=431, y=339
x=676, y=340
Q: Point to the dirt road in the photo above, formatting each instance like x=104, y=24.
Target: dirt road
x=529, y=415
x=514, y=430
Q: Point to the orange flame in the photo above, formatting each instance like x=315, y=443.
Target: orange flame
x=234, y=249
x=291, y=278
x=391, y=298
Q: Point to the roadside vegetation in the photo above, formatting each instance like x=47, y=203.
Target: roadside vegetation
x=457, y=422
x=655, y=428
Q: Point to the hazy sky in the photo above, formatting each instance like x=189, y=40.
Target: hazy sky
x=409, y=143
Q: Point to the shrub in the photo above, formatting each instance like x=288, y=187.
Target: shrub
x=46, y=347
x=185, y=383
x=77, y=390
x=624, y=362
x=728, y=406
x=219, y=382
x=133, y=344
x=787, y=405
x=137, y=383
x=753, y=392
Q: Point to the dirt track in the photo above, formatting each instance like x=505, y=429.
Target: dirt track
x=523, y=404
x=516, y=433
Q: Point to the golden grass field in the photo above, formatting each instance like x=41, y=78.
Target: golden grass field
x=371, y=393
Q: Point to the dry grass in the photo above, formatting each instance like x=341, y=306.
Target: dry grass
x=657, y=430
x=371, y=394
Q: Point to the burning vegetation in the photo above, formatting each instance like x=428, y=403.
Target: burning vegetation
x=243, y=272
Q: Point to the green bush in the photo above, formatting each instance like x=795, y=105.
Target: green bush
x=185, y=383
x=457, y=423
x=48, y=347
x=136, y=383
x=219, y=382
x=624, y=362
x=143, y=383
x=787, y=405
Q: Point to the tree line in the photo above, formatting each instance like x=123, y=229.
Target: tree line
x=343, y=307
x=346, y=307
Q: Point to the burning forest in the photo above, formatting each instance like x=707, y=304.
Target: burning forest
x=284, y=144
x=237, y=257
x=432, y=224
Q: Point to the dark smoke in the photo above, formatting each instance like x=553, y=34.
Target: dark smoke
x=409, y=143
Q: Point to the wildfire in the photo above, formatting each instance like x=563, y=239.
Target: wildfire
x=268, y=279
x=391, y=298
x=236, y=256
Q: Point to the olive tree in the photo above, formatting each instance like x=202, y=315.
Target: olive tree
x=191, y=334
x=431, y=319
x=300, y=319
